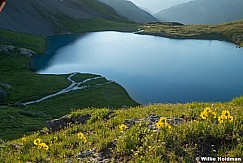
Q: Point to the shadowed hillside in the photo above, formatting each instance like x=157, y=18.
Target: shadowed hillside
x=46, y=18
x=204, y=12
x=130, y=11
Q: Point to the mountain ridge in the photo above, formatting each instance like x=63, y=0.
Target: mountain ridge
x=129, y=10
x=52, y=17
x=204, y=12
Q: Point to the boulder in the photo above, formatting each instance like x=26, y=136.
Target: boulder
x=26, y=52
x=3, y=93
x=7, y=48
x=59, y=124
x=6, y=85
x=82, y=119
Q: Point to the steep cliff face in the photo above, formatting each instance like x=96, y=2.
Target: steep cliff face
x=43, y=17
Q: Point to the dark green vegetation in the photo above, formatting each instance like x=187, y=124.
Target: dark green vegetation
x=231, y=32
x=91, y=25
x=28, y=86
x=139, y=140
x=203, y=12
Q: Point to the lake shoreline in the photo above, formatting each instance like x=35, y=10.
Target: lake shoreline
x=123, y=64
x=230, y=32
x=198, y=37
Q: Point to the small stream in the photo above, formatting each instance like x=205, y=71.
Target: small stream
x=73, y=87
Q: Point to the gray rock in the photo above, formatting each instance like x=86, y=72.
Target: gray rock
x=82, y=119
x=3, y=93
x=42, y=132
x=58, y=124
x=6, y=85
x=9, y=47
x=86, y=153
x=26, y=52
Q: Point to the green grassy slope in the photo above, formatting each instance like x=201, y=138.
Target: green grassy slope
x=192, y=137
x=28, y=86
x=97, y=24
x=232, y=31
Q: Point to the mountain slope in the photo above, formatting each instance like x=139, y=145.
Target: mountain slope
x=46, y=18
x=158, y=133
x=204, y=12
x=130, y=11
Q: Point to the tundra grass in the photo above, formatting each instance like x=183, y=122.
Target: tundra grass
x=231, y=32
x=196, y=137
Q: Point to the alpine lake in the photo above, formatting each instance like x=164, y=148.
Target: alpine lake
x=152, y=69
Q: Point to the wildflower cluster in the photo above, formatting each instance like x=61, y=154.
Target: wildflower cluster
x=208, y=113
x=38, y=142
x=82, y=137
x=162, y=123
x=225, y=116
x=123, y=127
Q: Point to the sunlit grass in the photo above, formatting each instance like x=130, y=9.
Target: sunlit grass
x=201, y=134
x=232, y=31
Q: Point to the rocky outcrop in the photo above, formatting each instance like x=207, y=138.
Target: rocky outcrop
x=3, y=93
x=26, y=52
x=6, y=85
x=152, y=119
x=59, y=124
x=7, y=49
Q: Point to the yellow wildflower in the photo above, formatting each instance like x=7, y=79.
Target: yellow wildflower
x=158, y=125
x=224, y=117
x=55, y=138
x=43, y=146
x=150, y=148
x=123, y=127
x=46, y=147
x=23, y=139
x=226, y=113
x=82, y=137
x=168, y=126
x=230, y=118
x=207, y=110
x=204, y=115
x=214, y=115
x=161, y=124
x=37, y=141
x=220, y=119
x=163, y=120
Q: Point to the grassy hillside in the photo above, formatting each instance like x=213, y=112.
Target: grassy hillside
x=231, y=32
x=27, y=86
x=153, y=133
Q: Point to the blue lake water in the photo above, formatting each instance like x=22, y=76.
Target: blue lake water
x=152, y=69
